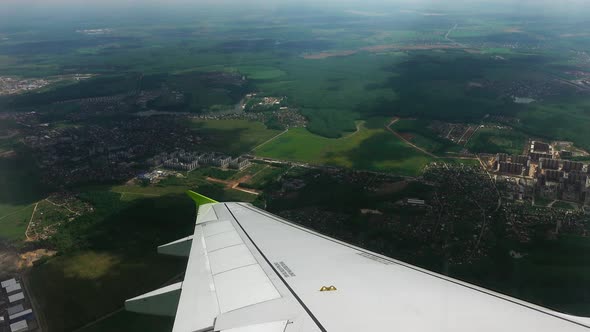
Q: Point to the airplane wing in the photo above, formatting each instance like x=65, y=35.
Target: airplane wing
x=249, y=270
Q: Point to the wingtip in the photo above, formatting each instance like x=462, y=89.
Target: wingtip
x=200, y=199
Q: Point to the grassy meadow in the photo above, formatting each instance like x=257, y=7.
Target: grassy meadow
x=14, y=220
x=493, y=140
x=368, y=149
x=233, y=136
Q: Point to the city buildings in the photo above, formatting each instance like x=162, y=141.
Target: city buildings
x=547, y=175
x=188, y=161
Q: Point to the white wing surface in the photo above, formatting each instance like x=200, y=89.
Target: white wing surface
x=249, y=270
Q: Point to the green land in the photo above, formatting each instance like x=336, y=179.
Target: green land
x=368, y=149
x=233, y=136
x=492, y=140
x=14, y=221
x=421, y=135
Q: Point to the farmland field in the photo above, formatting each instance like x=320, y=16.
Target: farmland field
x=14, y=221
x=369, y=149
x=417, y=132
x=492, y=140
x=560, y=121
x=233, y=136
x=105, y=251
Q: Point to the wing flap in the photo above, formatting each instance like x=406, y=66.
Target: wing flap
x=222, y=274
x=242, y=287
x=279, y=326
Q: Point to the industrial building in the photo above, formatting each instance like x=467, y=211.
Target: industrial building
x=19, y=326
x=16, y=297
x=8, y=282
x=15, y=311
x=20, y=315
x=13, y=288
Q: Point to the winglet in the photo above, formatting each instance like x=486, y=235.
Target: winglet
x=200, y=199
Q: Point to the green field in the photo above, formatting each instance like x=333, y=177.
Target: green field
x=494, y=140
x=14, y=220
x=264, y=177
x=565, y=205
x=369, y=149
x=103, y=252
x=135, y=191
x=553, y=273
x=233, y=136
x=567, y=120
x=249, y=171
x=419, y=134
x=175, y=186
x=131, y=322
x=261, y=73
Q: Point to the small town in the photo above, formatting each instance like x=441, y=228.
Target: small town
x=545, y=174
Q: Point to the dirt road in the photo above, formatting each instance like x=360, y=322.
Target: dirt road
x=388, y=127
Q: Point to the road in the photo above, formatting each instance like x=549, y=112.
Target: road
x=452, y=40
x=234, y=185
x=269, y=140
x=325, y=167
x=30, y=221
x=449, y=32
x=388, y=127
x=38, y=313
x=15, y=212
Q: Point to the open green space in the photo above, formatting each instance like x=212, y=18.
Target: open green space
x=370, y=149
x=565, y=205
x=20, y=180
x=552, y=273
x=541, y=201
x=103, y=252
x=419, y=133
x=264, y=177
x=233, y=136
x=261, y=73
x=252, y=169
x=494, y=140
x=199, y=91
x=131, y=322
x=14, y=220
x=176, y=186
x=567, y=120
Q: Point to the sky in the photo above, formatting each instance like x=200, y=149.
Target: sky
x=31, y=8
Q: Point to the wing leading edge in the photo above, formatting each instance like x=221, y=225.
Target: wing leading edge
x=249, y=270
